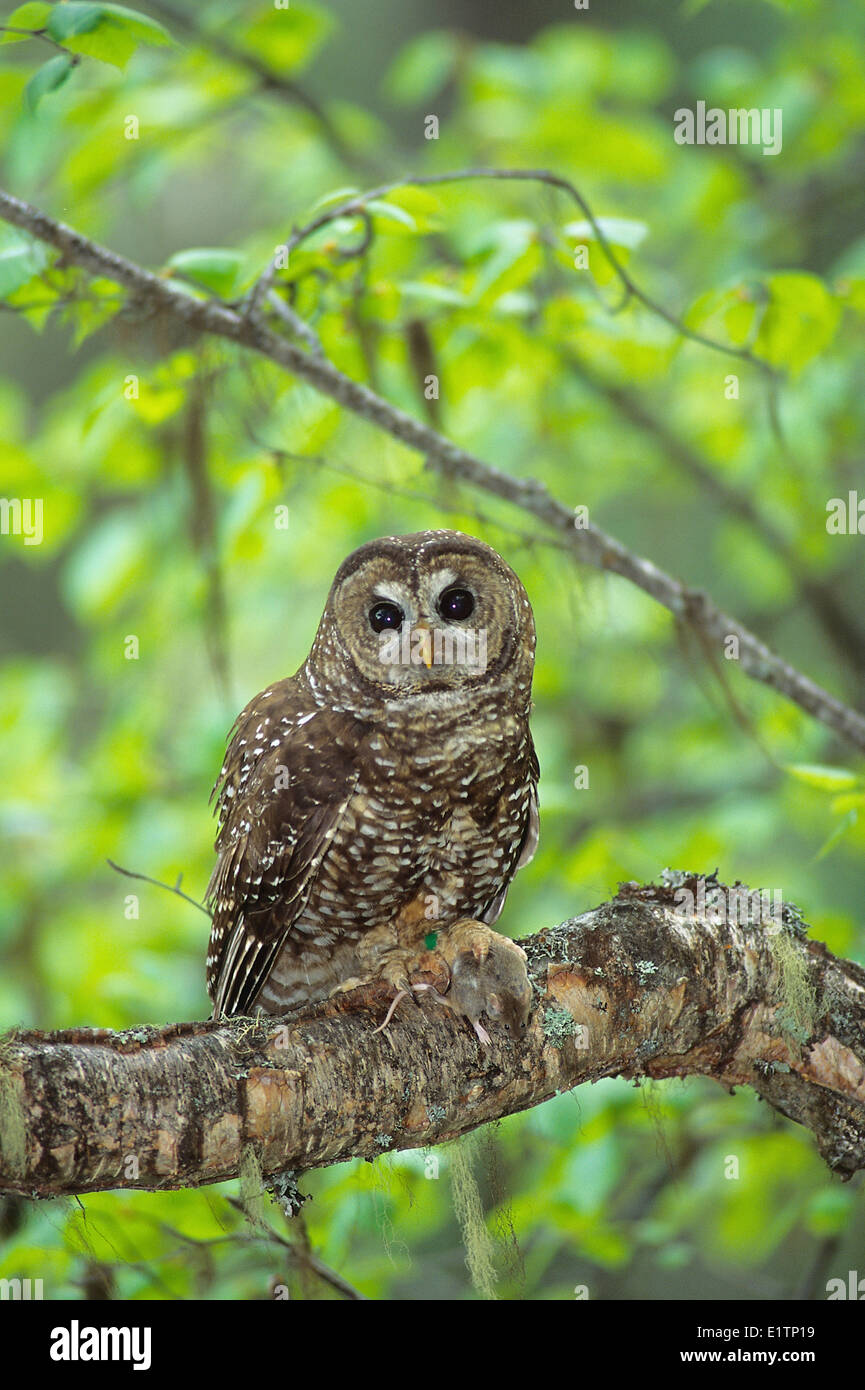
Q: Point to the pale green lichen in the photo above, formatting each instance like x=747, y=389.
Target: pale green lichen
x=645, y=970
x=797, y=1015
x=251, y=1186
x=789, y=1024
x=469, y=1210
x=284, y=1191
x=13, y=1119
x=558, y=1025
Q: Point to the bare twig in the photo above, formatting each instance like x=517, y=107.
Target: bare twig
x=299, y=1257
x=45, y=37
x=294, y=323
x=145, y=878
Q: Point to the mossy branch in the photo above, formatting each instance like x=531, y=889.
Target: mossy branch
x=683, y=978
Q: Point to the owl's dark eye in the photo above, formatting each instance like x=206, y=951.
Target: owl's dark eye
x=385, y=614
x=456, y=605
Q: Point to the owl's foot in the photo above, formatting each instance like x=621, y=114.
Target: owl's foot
x=354, y=983
x=409, y=972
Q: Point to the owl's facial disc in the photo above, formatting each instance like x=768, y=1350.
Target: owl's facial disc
x=426, y=622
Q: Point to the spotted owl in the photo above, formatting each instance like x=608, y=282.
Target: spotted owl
x=387, y=792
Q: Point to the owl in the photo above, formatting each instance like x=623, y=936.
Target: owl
x=385, y=795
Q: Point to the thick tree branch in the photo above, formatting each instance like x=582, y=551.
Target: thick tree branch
x=588, y=543
x=685, y=978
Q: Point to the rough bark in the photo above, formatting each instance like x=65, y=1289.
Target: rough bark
x=675, y=979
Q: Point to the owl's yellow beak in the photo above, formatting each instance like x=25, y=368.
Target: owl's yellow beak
x=425, y=645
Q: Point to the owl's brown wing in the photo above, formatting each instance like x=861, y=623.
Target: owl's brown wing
x=287, y=778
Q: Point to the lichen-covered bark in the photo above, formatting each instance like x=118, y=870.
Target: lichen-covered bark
x=637, y=987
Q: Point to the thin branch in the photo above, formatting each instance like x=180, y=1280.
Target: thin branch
x=204, y=529
x=455, y=507
x=145, y=878
x=588, y=543
x=262, y=288
x=356, y=206
x=301, y=1258
x=74, y=58
x=294, y=323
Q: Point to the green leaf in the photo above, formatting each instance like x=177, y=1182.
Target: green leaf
x=393, y=213
x=184, y=287
x=421, y=203
x=87, y=315
x=47, y=79
x=339, y=195
x=110, y=42
x=20, y=260
x=848, y=801
x=514, y=259
x=800, y=320
x=30, y=16
x=215, y=267
x=422, y=68
x=726, y=313
x=619, y=231
x=287, y=40
x=141, y=25
x=433, y=294
x=72, y=17
x=827, y=779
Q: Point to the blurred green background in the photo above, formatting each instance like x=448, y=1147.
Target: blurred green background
x=162, y=522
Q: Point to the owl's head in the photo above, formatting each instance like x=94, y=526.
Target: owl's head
x=428, y=618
